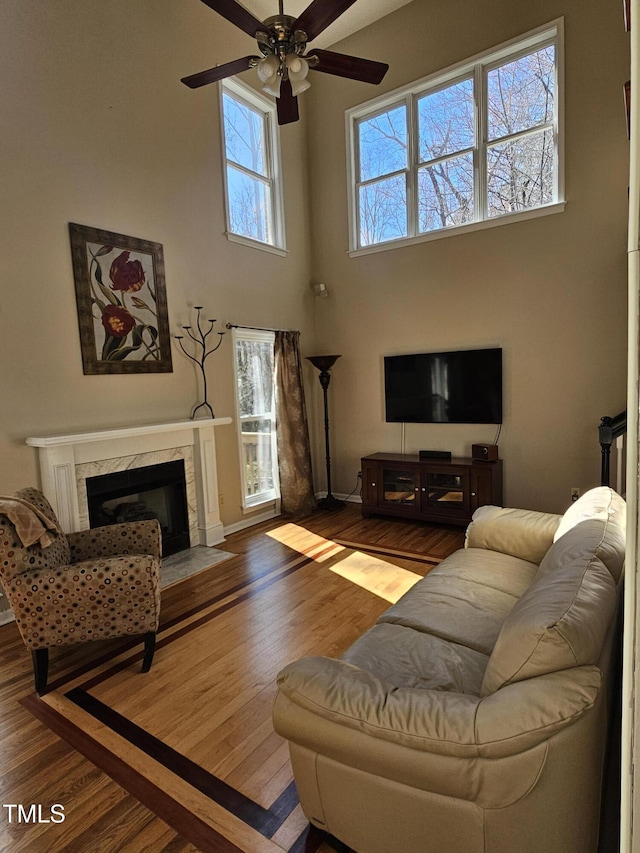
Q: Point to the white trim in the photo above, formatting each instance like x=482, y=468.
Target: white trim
x=453, y=230
x=477, y=67
x=237, y=526
x=255, y=244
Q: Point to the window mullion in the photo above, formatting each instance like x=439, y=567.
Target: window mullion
x=412, y=167
x=480, y=153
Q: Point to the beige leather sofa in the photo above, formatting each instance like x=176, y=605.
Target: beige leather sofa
x=472, y=716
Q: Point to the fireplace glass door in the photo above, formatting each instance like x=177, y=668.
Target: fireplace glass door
x=155, y=491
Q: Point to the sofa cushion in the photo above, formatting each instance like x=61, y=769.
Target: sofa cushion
x=466, y=599
x=601, y=503
x=560, y=622
x=523, y=533
x=603, y=539
x=402, y=657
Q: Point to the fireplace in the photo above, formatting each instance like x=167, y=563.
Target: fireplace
x=154, y=491
x=68, y=461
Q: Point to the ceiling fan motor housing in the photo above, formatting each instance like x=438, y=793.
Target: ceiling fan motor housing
x=280, y=38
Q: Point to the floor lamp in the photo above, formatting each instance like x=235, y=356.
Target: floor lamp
x=324, y=363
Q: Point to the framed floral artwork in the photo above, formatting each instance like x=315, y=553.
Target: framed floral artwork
x=122, y=302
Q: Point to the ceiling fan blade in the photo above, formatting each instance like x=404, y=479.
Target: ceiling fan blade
x=287, y=104
x=237, y=14
x=319, y=14
x=194, y=81
x=343, y=65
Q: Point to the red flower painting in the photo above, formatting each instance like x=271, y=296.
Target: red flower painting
x=130, y=322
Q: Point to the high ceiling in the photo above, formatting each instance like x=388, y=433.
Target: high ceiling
x=361, y=14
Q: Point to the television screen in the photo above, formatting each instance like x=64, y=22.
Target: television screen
x=463, y=387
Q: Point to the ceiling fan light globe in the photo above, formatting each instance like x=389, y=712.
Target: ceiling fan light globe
x=299, y=86
x=267, y=69
x=298, y=67
x=273, y=86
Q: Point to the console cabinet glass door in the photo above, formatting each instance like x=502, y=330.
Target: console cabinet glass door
x=400, y=488
x=446, y=491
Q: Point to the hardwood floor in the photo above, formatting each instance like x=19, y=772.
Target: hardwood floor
x=39, y=769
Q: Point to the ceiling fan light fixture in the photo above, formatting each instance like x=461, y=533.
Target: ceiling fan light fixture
x=298, y=68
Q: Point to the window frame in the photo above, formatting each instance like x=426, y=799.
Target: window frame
x=255, y=101
x=271, y=496
x=478, y=68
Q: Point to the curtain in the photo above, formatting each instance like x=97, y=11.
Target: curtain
x=294, y=450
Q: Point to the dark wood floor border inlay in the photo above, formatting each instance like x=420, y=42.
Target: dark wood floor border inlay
x=177, y=816
x=431, y=559
x=264, y=821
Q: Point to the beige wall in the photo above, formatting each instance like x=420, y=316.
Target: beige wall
x=551, y=291
x=97, y=129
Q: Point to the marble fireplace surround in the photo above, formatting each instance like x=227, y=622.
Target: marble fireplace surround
x=67, y=460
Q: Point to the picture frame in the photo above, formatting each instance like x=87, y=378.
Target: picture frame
x=121, y=301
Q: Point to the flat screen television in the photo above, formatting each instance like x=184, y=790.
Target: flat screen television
x=463, y=387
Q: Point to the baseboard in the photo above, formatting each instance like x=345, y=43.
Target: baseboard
x=256, y=518
x=352, y=499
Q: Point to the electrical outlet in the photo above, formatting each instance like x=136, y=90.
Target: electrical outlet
x=575, y=494
x=359, y=475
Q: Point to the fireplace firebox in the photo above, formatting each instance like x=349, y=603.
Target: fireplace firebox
x=155, y=491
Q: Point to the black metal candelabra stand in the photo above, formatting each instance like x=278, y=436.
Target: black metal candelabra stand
x=324, y=363
x=201, y=354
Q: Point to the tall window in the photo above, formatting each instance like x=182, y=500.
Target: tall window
x=254, y=366
x=467, y=146
x=252, y=174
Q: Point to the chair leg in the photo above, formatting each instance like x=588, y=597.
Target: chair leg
x=40, y=658
x=149, y=649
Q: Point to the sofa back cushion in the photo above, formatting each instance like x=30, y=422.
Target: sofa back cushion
x=521, y=533
x=601, y=503
x=562, y=618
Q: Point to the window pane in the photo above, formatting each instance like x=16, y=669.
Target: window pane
x=383, y=211
x=446, y=121
x=257, y=454
x=383, y=144
x=249, y=205
x=520, y=173
x=521, y=93
x=244, y=135
x=254, y=360
x=445, y=193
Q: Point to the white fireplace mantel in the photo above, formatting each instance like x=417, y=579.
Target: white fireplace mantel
x=61, y=454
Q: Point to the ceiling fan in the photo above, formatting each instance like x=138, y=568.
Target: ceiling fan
x=282, y=41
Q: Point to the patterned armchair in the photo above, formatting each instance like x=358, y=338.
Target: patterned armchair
x=90, y=585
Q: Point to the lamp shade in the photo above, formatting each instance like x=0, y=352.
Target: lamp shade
x=323, y=362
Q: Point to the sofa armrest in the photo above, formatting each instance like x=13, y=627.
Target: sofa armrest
x=518, y=532
x=508, y=722
x=116, y=540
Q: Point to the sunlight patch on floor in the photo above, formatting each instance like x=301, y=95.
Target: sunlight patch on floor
x=305, y=542
x=371, y=573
